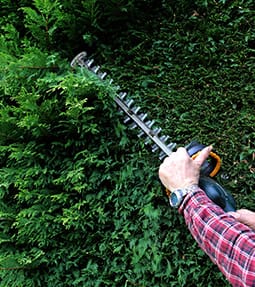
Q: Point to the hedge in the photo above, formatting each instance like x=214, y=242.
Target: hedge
x=81, y=203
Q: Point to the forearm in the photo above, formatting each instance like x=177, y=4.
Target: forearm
x=229, y=244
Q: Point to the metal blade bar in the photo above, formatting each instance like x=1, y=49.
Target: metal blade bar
x=125, y=105
x=149, y=132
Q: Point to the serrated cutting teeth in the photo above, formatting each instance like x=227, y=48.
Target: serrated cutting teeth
x=102, y=75
x=127, y=106
x=129, y=102
x=149, y=124
x=126, y=119
x=164, y=138
x=133, y=126
x=135, y=110
x=122, y=95
x=147, y=141
x=171, y=146
x=155, y=132
x=95, y=69
x=88, y=63
x=142, y=117
x=162, y=155
x=154, y=148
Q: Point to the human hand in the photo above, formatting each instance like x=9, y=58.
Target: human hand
x=179, y=170
x=245, y=216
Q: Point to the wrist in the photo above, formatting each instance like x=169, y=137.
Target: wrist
x=183, y=183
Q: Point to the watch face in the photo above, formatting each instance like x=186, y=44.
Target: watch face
x=174, y=200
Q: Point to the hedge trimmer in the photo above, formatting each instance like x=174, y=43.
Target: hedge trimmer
x=161, y=143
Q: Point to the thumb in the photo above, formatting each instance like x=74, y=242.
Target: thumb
x=203, y=155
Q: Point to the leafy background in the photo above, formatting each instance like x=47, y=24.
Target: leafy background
x=81, y=203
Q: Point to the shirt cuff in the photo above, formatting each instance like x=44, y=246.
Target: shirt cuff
x=191, y=196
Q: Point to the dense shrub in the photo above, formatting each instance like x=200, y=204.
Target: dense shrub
x=81, y=204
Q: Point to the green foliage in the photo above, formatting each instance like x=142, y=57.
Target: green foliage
x=81, y=204
x=42, y=22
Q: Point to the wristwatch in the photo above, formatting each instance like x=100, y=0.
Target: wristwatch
x=176, y=197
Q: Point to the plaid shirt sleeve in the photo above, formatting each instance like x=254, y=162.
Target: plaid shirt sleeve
x=228, y=243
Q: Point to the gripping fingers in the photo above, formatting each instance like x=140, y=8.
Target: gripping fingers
x=202, y=155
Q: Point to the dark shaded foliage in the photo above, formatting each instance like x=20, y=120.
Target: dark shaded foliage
x=81, y=204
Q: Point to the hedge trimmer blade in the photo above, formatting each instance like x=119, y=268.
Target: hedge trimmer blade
x=133, y=116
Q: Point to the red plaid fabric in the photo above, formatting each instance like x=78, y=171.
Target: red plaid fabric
x=229, y=244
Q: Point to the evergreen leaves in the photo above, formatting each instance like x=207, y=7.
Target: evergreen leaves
x=80, y=200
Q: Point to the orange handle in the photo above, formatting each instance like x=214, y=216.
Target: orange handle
x=217, y=165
